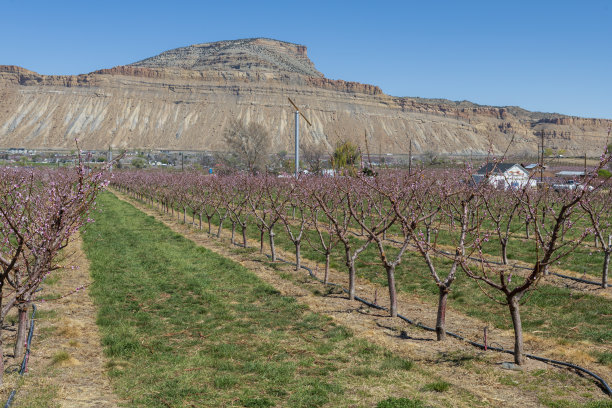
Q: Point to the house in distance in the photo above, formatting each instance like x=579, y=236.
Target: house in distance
x=505, y=175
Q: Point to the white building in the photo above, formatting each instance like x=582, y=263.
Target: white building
x=505, y=175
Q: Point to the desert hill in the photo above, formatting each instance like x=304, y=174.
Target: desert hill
x=183, y=98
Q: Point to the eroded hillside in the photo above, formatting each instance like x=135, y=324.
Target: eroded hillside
x=182, y=99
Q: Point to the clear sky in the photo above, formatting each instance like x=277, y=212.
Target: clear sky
x=550, y=56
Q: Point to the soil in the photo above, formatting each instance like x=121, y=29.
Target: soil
x=479, y=372
x=66, y=359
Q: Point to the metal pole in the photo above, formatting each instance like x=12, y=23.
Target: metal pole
x=410, y=158
x=542, y=158
x=297, y=143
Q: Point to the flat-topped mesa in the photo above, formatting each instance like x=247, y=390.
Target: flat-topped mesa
x=254, y=54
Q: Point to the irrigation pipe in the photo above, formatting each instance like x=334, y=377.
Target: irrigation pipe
x=606, y=388
x=24, y=363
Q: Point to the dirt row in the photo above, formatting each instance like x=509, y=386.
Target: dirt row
x=66, y=367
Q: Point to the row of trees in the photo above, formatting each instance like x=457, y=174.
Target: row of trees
x=439, y=215
x=40, y=209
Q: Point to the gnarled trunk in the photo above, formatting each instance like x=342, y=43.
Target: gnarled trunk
x=298, y=245
x=261, y=240
x=272, y=247
x=326, y=276
x=504, y=251
x=441, y=319
x=22, y=312
x=606, y=267
x=527, y=230
x=351, y=268
x=221, y=221
x=519, y=354
x=392, y=290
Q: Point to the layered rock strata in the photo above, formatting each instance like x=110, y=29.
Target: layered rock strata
x=183, y=98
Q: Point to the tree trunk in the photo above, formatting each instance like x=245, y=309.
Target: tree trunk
x=272, y=248
x=244, y=238
x=297, y=255
x=1, y=363
x=200, y=216
x=527, y=230
x=233, y=231
x=184, y=215
x=441, y=320
x=1, y=346
x=392, y=291
x=220, y=227
x=22, y=329
x=606, y=267
x=519, y=356
x=504, y=251
x=351, y=267
x=326, y=276
x=261, y=240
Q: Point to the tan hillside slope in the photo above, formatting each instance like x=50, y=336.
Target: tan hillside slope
x=183, y=98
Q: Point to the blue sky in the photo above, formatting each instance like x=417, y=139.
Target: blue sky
x=550, y=56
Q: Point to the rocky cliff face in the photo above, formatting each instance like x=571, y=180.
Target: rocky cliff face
x=182, y=99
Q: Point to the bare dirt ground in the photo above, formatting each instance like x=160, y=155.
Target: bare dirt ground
x=478, y=372
x=66, y=365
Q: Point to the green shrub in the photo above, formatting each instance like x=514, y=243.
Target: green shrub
x=438, y=386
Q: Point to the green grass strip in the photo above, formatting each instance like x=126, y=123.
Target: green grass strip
x=183, y=326
x=551, y=311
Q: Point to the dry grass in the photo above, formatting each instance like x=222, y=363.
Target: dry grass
x=66, y=366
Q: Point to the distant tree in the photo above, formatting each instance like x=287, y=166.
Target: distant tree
x=314, y=155
x=345, y=157
x=603, y=173
x=139, y=163
x=248, y=143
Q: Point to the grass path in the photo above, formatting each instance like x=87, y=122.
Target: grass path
x=184, y=327
x=453, y=361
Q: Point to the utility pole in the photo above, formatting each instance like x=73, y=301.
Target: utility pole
x=110, y=157
x=297, y=143
x=585, y=165
x=365, y=138
x=542, y=157
x=297, y=136
x=410, y=158
x=182, y=161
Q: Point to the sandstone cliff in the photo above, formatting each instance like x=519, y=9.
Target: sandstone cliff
x=182, y=99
